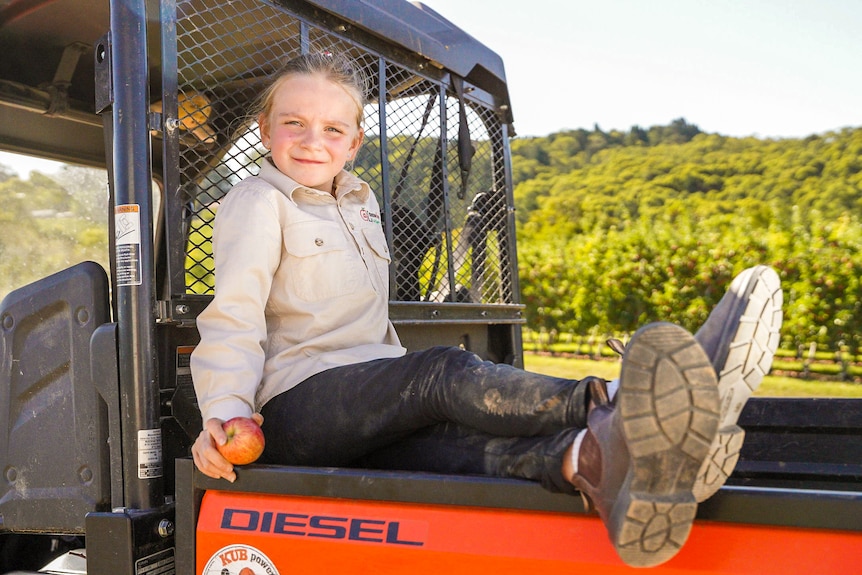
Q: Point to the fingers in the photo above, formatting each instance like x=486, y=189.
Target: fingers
x=213, y=427
x=207, y=457
x=258, y=418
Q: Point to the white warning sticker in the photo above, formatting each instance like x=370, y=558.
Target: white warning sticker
x=127, y=233
x=149, y=453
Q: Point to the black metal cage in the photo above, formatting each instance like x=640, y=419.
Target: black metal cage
x=435, y=152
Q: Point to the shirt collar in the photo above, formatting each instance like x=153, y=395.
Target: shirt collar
x=345, y=182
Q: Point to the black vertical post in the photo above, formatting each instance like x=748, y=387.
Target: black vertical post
x=386, y=184
x=508, y=248
x=133, y=248
x=444, y=191
x=174, y=196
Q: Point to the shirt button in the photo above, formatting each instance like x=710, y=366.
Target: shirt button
x=318, y=241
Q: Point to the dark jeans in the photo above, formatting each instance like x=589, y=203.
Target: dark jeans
x=441, y=410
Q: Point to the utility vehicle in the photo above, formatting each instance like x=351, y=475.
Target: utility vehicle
x=98, y=409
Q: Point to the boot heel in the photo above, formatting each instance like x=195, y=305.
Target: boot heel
x=653, y=529
x=720, y=463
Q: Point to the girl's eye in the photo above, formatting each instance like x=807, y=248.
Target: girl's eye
x=335, y=130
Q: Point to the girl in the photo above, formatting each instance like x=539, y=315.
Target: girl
x=298, y=337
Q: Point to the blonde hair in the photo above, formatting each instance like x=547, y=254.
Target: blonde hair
x=334, y=68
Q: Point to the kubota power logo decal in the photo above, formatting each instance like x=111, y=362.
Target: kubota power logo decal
x=239, y=560
x=369, y=216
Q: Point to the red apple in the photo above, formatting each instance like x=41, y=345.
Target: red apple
x=244, y=441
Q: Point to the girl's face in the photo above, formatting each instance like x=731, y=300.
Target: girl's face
x=311, y=130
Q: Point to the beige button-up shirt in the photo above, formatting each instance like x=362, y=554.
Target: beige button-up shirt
x=301, y=286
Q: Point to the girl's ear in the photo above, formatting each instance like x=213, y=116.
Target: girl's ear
x=357, y=142
x=263, y=125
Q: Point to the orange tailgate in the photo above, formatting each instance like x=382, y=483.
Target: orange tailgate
x=248, y=534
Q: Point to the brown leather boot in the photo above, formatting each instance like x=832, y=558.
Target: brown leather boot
x=740, y=337
x=639, y=459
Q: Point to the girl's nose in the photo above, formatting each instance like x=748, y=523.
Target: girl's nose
x=311, y=139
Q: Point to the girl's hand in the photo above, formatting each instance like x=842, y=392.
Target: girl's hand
x=206, y=455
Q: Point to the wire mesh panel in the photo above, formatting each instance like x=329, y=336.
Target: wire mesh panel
x=432, y=155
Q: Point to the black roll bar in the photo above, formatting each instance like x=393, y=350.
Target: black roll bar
x=134, y=289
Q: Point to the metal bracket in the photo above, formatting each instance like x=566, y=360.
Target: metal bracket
x=59, y=87
x=104, y=81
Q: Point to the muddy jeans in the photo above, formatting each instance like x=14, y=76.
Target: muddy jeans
x=440, y=410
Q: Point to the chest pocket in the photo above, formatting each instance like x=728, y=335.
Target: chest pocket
x=321, y=263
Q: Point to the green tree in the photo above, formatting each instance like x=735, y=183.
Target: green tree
x=654, y=228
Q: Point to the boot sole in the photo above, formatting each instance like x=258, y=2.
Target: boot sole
x=668, y=413
x=750, y=340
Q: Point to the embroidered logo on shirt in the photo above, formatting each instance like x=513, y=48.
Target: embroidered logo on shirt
x=369, y=216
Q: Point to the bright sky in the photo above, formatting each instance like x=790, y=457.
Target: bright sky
x=768, y=68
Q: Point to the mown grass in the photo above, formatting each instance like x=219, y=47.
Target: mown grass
x=772, y=386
